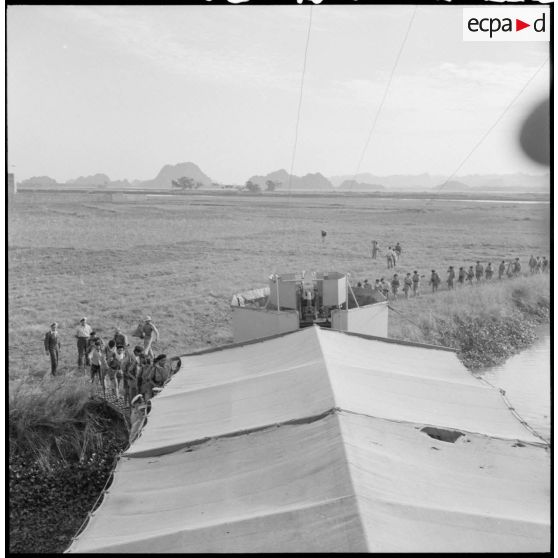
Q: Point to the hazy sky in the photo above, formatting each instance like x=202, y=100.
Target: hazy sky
x=123, y=90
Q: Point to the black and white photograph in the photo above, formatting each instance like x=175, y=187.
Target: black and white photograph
x=278, y=277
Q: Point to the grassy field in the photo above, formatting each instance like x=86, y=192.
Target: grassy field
x=180, y=260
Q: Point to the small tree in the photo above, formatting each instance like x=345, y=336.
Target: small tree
x=271, y=185
x=252, y=186
x=184, y=183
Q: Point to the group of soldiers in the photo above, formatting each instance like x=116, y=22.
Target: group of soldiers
x=411, y=282
x=392, y=254
x=128, y=372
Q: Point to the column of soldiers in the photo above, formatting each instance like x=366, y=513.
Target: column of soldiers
x=411, y=283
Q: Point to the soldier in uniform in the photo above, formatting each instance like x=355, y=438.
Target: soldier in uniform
x=374, y=249
x=52, y=346
x=451, y=277
x=434, y=280
x=82, y=335
x=479, y=271
x=416, y=283
x=150, y=334
x=407, y=284
x=532, y=264
x=461, y=276
x=395, y=283
x=501, y=269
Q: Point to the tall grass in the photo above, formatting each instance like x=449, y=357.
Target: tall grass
x=486, y=323
x=63, y=445
x=57, y=421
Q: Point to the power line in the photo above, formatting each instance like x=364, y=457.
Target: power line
x=300, y=97
x=380, y=106
x=295, y=144
x=496, y=122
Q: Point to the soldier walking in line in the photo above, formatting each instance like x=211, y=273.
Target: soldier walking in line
x=538, y=265
x=395, y=283
x=516, y=268
x=470, y=275
x=52, y=346
x=390, y=256
x=398, y=250
x=434, y=280
x=416, y=283
x=82, y=334
x=479, y=271
x=461, y=276
x=374, y=249
x=489, y=272
x=509, y=269
x=407, y=284
x=532, y=264
x=545, y=264
x=501, y=269
x=451, y=277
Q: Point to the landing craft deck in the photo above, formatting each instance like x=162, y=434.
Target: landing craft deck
x=318, y=440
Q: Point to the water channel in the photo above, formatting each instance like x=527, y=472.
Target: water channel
x=526, y=379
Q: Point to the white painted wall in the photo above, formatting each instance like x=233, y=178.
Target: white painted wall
x=368, y=320
x=253, y=323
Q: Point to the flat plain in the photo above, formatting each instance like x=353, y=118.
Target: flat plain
x=180, y=259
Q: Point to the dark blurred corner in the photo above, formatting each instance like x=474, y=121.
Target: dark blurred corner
x=534, y=138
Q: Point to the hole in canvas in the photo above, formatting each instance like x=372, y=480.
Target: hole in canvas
x=442, y=434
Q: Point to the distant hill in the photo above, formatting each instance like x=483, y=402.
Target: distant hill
x=173, y=172
x=394, y=181
x=492, y=182
x=313, y=181
x=354, y=186
x=38, y=182
x=93, y=180
x=516, y=181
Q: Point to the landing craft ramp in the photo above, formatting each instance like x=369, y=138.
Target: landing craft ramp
x=319, y=440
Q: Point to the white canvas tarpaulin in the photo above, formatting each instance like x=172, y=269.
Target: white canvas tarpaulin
x=316, y=441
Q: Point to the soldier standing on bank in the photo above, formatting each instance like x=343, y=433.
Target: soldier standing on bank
x=83, y=332
x=52, y=346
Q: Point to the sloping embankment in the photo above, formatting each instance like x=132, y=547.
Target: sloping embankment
x=486, y=323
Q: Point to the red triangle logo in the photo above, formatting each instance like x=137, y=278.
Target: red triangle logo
x=519, y=25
